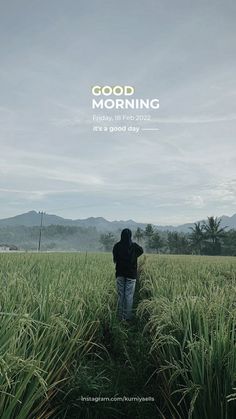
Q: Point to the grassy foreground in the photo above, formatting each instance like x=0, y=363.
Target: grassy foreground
x=60, y=338
x=189, y=304
x=51, y=309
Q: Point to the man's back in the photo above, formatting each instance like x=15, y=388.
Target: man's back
x=125, y=255
x=125, y=258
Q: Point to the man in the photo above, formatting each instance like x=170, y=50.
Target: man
x=125, y=254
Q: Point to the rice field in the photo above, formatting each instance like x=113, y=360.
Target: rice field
x=189, y=304
x=60, y=338
x=51, y=309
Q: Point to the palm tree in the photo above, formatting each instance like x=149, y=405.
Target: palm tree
x=197, y=237
x=214, y=233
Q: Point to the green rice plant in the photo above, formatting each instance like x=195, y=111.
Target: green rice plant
x=60, y=337
x=52, y=307
x=191, y=315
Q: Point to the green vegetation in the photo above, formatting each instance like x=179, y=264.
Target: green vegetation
x=54, y=238
x=60, y=338
x=189, y=303
x=206, y=238
x=107, y=240
x=53, y=308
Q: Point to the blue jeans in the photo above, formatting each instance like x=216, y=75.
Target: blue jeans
x=125, y=288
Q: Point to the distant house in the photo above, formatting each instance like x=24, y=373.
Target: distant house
x=4, y=248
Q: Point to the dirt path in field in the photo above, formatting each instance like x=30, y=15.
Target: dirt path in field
x=122, y=370
x=131, y=372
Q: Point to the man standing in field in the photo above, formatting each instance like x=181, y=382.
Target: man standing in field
x=125, y=255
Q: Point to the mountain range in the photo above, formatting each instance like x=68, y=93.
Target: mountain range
x=32, y=218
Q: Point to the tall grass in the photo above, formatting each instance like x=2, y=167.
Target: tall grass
x=51, y=310
x=189, y=304
x=57, y=314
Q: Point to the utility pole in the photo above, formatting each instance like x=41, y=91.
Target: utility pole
x=40, y=230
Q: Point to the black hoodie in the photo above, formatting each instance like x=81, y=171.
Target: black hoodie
x=125, y=254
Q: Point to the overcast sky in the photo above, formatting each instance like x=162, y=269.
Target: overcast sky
x=182, y=52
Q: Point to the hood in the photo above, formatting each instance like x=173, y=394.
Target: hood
x=125, y=238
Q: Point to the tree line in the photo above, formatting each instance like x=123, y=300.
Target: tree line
x=204, y=238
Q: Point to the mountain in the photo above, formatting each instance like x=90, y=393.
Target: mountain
x=32, y=218
x=229, y=221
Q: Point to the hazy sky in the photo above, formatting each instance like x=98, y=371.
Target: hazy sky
x=182, y=52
